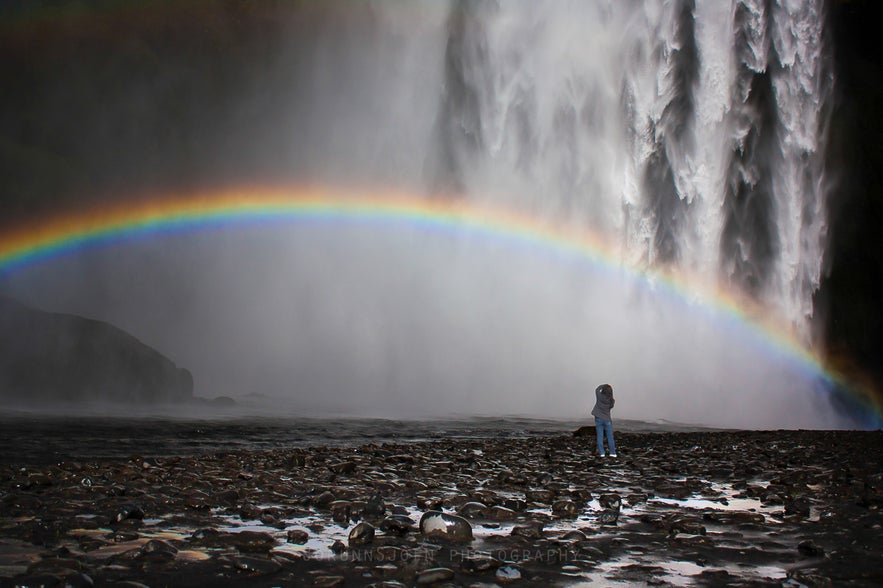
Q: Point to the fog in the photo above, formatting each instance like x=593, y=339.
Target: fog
x=397, y=322
x=482, y=102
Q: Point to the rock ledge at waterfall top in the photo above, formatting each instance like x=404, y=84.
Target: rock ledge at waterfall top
x=51, y=357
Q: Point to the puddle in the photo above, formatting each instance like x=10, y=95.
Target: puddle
x=672, y=572
x=488, y=535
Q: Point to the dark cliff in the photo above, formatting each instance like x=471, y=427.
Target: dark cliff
x=49, y=357
x=849, y=300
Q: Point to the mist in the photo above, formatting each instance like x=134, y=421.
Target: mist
x=553, y=112
x=398, y=323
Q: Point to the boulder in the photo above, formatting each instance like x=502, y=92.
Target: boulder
x=442, y=525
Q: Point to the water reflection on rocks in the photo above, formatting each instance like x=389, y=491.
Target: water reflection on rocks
x=723, y=508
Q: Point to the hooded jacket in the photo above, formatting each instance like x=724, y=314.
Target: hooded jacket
x=604, y=401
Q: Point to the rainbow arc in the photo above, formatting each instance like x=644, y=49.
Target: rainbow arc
x=115, y=224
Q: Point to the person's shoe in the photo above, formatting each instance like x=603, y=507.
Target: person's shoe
x=612, y=455
x=601, y=455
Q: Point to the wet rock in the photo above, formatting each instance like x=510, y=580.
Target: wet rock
x=574, y=535
x=323, y=499
x=736, y=548
x=250, y=512
x=338, y=546
x=117, y=490
x=340, y=511
x=810, y=578
x=227, y=497
x=441, y=525
x=361, y=534
x=810, y=549
x=270, y=519
x=473, y=510
x=610, y=501
x=430, y=503
x=55, y=565
x=608, y=517
x=715, y=577
x=158, y=545
x=540, y=496
x=198, y=501
x=515, y=504
x=477, y=564
x=297, y=536
x=243, y=541
x=636, y=498
x=328, y=581
x=375, y=507
x=344, y=467
x=254, y=565
x=507, y=574
x=384, y=571
x=737, y=518
x=501, y=513
x=129, y=511
x=687, y=525
x=528, y=531
x=772, y=498
x=397, y=525
x=390, y=553
x=565, y=509
x=433, y=575
x=123, y=536
x=585, y=431
x=797, y=507
x=674, y=490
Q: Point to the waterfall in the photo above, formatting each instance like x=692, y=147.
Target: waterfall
x=688, y=136
x=692, y=132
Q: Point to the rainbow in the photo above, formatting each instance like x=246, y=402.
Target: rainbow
x=103, y=226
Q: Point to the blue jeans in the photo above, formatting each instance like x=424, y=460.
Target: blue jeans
x=602, y=426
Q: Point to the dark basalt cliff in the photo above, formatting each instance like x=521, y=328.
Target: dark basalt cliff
x=50, y=357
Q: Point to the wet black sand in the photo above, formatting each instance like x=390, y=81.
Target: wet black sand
x=777, y=508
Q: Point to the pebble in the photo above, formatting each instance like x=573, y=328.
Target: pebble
x=437, y=524
x=767, y=499
x=361, y=534
x=399, y=525
x=508, y=574
x=297, y=536
x=434, y=575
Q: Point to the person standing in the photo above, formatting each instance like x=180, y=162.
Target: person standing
x=604, y=401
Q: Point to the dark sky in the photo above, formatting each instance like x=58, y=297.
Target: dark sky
x=125, y=98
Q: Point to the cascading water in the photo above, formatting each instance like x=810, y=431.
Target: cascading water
x=693, y=132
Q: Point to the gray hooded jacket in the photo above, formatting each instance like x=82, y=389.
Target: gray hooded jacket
x=604, y=401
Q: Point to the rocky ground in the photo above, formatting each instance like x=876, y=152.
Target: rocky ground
x=779, y=508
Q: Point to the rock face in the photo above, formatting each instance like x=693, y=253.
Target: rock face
x=48, y=357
